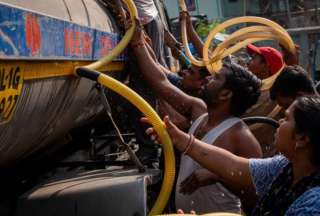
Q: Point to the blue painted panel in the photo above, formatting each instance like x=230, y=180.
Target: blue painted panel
x=28, y=35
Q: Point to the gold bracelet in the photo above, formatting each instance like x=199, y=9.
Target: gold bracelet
x=190, y=142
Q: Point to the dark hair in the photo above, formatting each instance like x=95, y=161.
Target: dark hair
x=245, y=88
x=291, y=80
x=307, y=121
x=204, y=72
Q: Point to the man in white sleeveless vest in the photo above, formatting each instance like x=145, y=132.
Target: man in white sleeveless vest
x=226, y=96
x=208, y=198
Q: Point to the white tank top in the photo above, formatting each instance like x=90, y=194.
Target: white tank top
x=211, y=198
x=147, y=10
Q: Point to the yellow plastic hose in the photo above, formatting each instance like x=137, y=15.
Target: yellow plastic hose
x=249, y=29
x=156, y=122
x=271, y=31
x=158, y=125
x=142, y=105
x=267, y=34
x=216, y=65
x=268, y=82
x=288, y=41
x=267, y=30
x=223, y=52
x=184, y=37
x=183, y=6
x=278, y=33
x=122, y=44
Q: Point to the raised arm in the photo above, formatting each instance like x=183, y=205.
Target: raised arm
x=192, y=34
x=188, y=106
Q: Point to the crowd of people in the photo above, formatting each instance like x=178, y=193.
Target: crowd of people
x=221, y=167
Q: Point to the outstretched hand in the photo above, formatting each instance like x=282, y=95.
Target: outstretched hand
x=172, y=130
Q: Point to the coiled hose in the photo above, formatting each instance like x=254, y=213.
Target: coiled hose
x=268, y=30
x=90, y=72
x=242, y=38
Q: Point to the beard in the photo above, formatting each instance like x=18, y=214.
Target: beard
x=210, y=97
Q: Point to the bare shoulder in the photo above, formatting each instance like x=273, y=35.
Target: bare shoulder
x=245, y=142
x=198, y=108
x=242, y=141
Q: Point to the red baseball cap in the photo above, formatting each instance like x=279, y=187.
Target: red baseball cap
x=272, y=56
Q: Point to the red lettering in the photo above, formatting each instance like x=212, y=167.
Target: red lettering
x=77, y=43
x=86, y=44
x=69, y=42
x=106, y=45
x=67, y=45
x=33, y=34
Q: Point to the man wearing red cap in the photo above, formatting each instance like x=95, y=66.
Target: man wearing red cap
x=265, y=61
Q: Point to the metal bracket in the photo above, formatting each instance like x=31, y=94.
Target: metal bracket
x=106, y=104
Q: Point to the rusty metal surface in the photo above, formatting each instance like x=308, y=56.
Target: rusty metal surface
x=97, y=193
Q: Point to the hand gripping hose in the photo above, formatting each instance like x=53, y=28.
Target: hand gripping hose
x=107, y=81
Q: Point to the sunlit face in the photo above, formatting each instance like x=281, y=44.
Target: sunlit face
x=191, y=79
x=285, y=135
x=284, y=101
x=258, y=66
x=213, y=86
